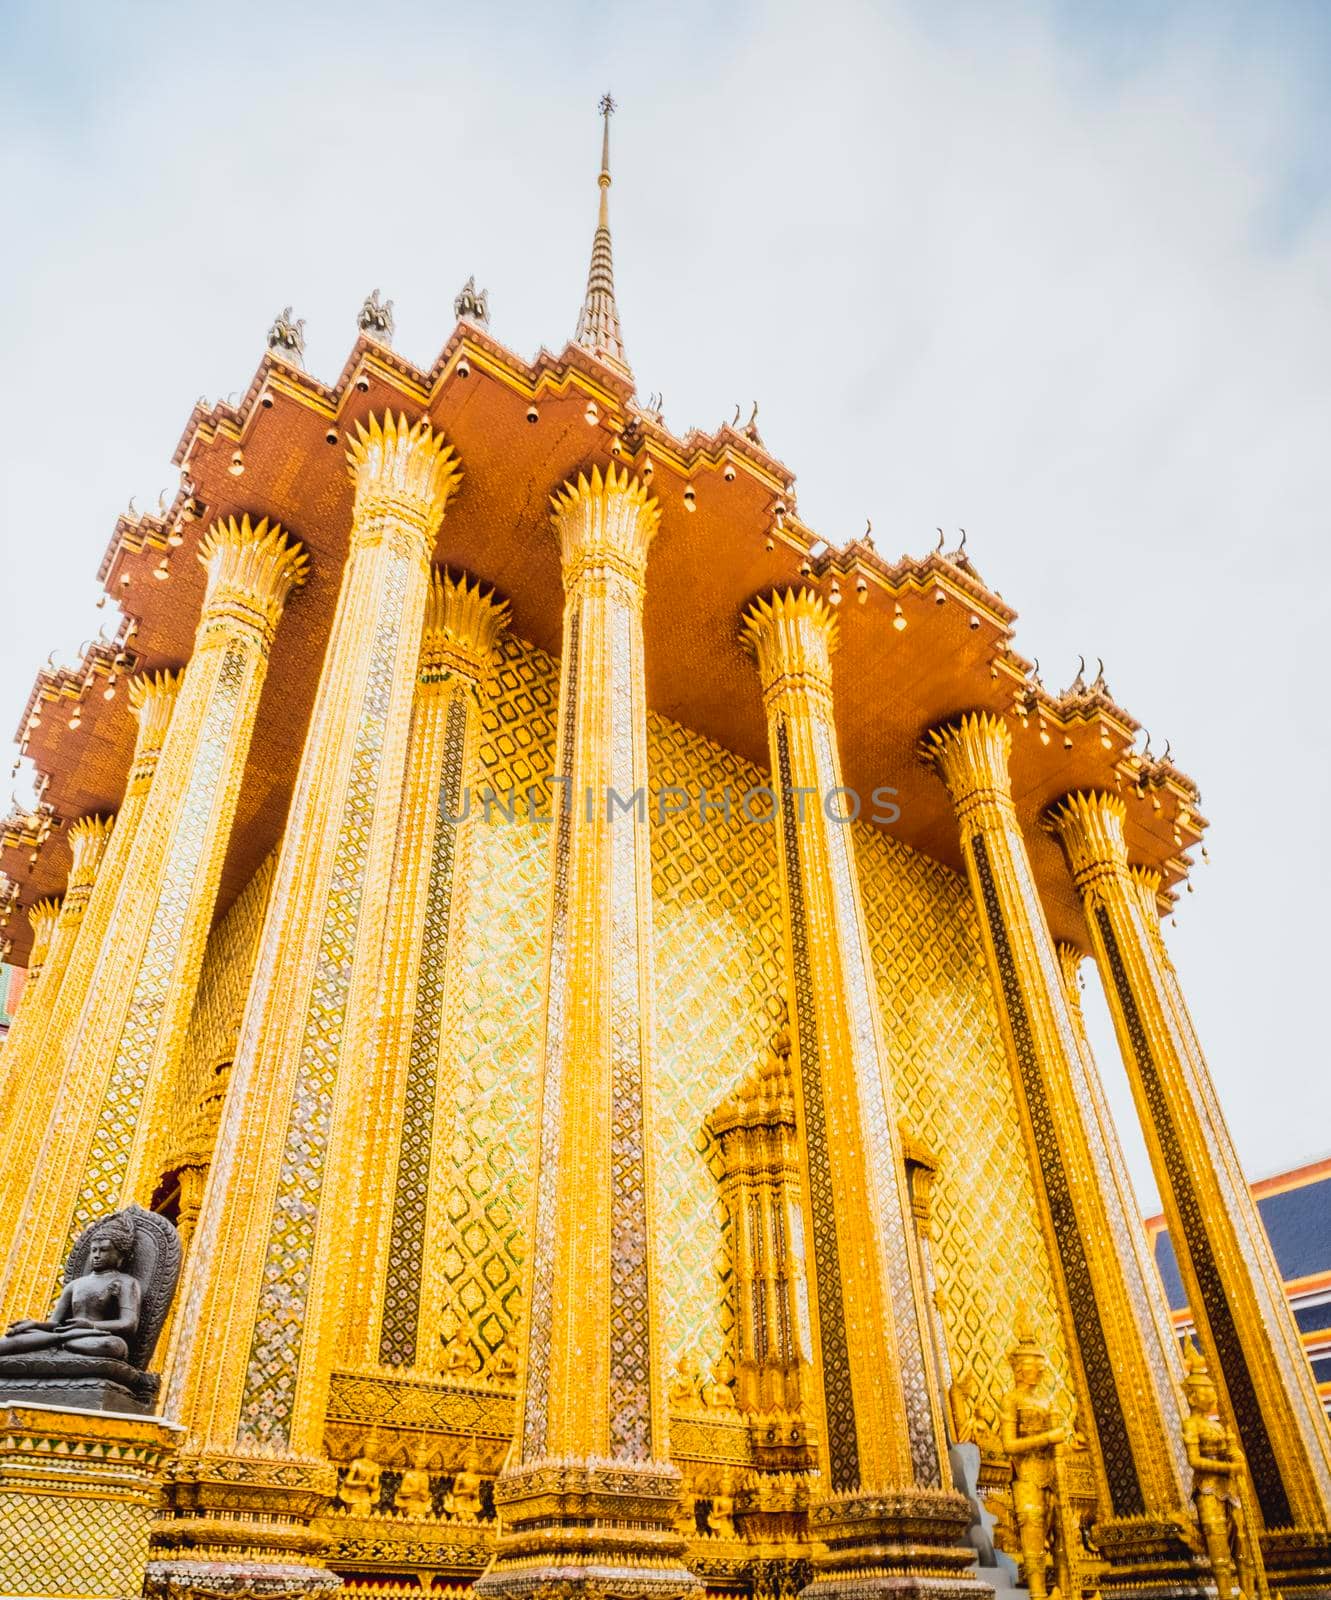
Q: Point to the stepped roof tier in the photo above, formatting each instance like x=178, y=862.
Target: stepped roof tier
x=729, y=529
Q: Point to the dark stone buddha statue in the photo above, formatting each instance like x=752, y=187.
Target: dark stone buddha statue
x=93, y=1351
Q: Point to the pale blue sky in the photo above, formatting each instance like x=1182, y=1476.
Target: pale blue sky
x=1060, y=274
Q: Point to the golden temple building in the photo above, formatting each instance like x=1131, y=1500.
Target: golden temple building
x=588, y=974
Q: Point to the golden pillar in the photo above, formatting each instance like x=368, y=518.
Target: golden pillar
x=886, y=1513
x=87, y=843
x=34, y=1091
x=123, y=1053
x=395, y=1298
x=1070, y=961
x=591, y=1496
x=1232, y=1281
x=256, y=1330
x=1127, y=1373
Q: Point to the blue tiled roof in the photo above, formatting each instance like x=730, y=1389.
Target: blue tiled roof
x=1298, y=1222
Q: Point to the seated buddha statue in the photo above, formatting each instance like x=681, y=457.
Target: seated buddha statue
x=718, y=1393
x=93, y=1350
x=506, y=1361
x=459, y=1358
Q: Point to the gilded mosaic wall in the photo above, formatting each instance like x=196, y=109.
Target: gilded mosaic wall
x=495, y=1018
x=718, y=983
x=214, y=1025
x=954, y=1092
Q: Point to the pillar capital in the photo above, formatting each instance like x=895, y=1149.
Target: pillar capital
x=87, y=840
x=1070, y=959
x=252, y=569
x=404, y=475
x=463, y=622
x=605, y=525
x=971, y=756
x=42, y=917
x=152, y=698
x=1146, y=881
x=792, y=633
x=1089, y=825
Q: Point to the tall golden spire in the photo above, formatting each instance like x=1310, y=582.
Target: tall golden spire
x=598, y=321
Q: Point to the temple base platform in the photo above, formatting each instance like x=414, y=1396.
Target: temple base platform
x=1151, y=1558
x=242, y=1524
x=78, y=1492
x=1298, y=1562
x=589, y=1529
x=905, y=1543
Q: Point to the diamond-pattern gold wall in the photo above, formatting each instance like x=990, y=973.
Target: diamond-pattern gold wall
x=718, y=996
x=494, y=1026
x=718, y=1000
x=954, y=1092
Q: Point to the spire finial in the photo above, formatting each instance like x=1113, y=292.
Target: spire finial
x=607, y=108
x=598, y=321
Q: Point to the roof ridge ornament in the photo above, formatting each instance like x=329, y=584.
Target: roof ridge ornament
x=375, y=318
x=286, y=338
x=598, y=328
x=472, y=303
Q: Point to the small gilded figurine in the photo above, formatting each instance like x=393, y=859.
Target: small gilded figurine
x=506, y=1360
x=718, y=1392
x=721, y=1514
x=459, y=1357
x=413, y=1493
x=94, y=1348
x=1033, y=1442
x=358, y=1493
x=463, y=1500
x=961, y=1402
x=684, y=1381
x=1218, y=1473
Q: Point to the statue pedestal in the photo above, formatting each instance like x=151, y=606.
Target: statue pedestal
x=65, y=1382
x=78, y=1490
